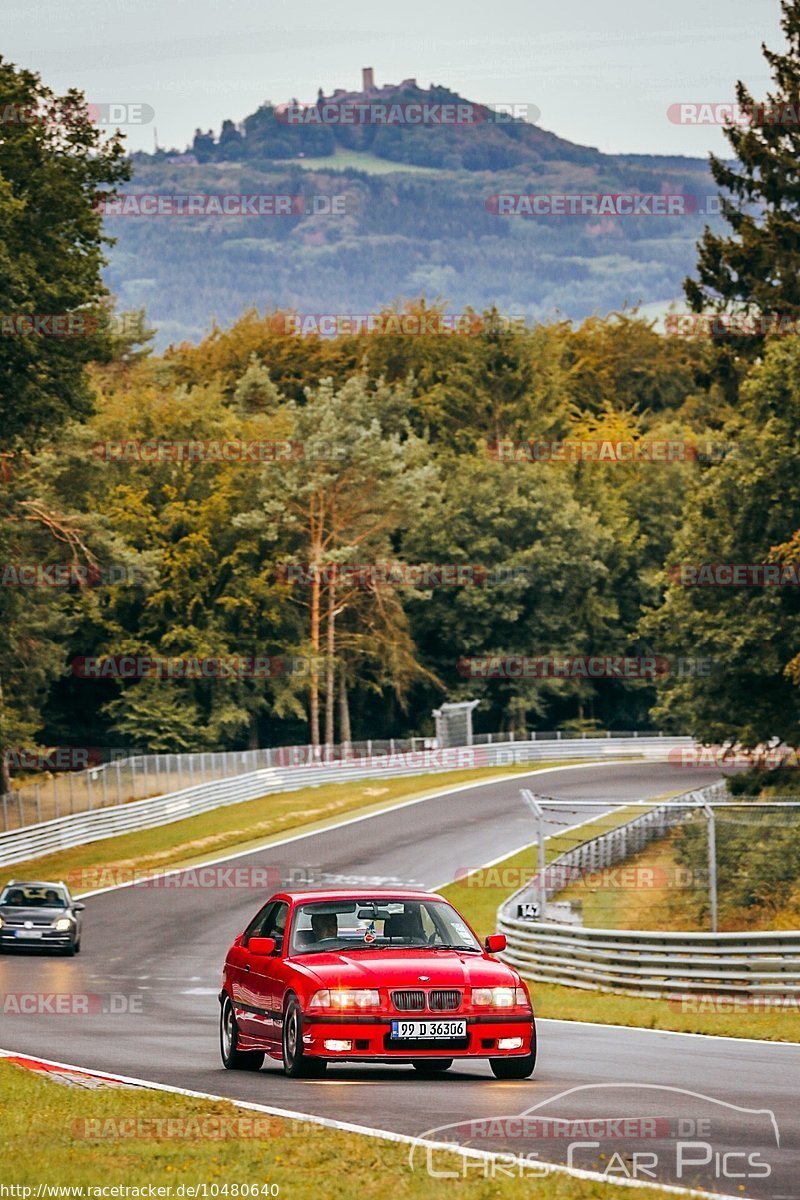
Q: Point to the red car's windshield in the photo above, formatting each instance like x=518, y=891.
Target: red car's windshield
x=378, y=924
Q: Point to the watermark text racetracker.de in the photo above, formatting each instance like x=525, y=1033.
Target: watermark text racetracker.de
x=414, y=113
x=222, y=204
x=600, y=204
x=583, y=666
x=69, y=1004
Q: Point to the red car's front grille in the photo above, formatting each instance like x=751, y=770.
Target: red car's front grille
x=438, y=1000
x=409, y=1001
x=444, y=1000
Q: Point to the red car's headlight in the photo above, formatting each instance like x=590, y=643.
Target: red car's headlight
x=346, y=998
x=499, y=997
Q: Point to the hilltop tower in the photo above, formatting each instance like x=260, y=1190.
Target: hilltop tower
x=367, y=79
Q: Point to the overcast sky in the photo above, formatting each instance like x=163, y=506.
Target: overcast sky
x=601, y=74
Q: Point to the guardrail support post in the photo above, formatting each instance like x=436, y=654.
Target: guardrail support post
x=712, y=864
x=536, y=808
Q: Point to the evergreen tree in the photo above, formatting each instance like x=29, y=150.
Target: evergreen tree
x=756, y=268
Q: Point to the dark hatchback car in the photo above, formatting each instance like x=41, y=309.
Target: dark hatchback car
x=40, y=915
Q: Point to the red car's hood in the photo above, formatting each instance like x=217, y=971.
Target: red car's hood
x=398, y=968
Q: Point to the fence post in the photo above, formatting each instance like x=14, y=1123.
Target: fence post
x=119, y=781
x=712, y=864
x=536, y=808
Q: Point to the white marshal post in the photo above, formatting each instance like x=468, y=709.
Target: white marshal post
x=536, y=809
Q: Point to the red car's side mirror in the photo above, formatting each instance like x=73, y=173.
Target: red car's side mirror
x=261, y=945
x=495, y=942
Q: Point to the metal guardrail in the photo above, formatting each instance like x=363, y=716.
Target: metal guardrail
x=32, y=841
x=130, y=776
x=652, y=963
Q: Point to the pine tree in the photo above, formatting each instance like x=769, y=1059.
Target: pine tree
x=756, y=269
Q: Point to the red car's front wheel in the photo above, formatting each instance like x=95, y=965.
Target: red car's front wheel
x=515, y=1068
x=296, y=1063
x=233, y=1058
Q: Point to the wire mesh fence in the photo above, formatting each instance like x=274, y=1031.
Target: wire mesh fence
x=139, y=776
x=702, y=861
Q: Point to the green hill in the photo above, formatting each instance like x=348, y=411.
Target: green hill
x=417, y=218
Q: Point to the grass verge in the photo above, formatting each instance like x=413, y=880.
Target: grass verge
x=54, y=1135
x=237, y=827
x=480, y=894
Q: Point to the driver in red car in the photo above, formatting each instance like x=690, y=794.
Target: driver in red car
x=324, y=926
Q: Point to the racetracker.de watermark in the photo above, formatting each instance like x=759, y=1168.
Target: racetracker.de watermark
x=600, y=204
x=69, y=1004
x=413, y=324
x=727, y=112
x=605, y=450
x=730, y=574
x=213, y=877
x=585, y=666
x=112, y=113
x=725, y=324
x=400, y=574
x=743, y=1005
x=216, y=450
x=433, y=113
x=769, y=758
x=223, y=204
x=66, y=575
x=560, y=876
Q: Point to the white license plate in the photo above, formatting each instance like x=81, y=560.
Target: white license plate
x=28, y=933
x=428, y=1030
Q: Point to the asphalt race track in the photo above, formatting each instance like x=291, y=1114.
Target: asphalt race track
x=696, y=1107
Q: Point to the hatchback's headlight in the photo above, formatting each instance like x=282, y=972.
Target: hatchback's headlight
x=1, y=922
x=62, y=924
x=347, y=998
x=499, y=997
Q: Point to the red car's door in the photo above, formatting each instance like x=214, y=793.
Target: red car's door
x=261, y=971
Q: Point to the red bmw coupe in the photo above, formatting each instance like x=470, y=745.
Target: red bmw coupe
x=341, y=975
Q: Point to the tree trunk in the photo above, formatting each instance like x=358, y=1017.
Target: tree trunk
x=5, y=774
x=345, y=732
x=313, y=685
x=330, y=672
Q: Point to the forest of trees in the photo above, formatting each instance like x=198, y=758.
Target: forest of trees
x=385, y=451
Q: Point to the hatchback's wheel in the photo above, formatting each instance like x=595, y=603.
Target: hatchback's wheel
x=232, y=1057
x=432, y=1066
x=296, y=1063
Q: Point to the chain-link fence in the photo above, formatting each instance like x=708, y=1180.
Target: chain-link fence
x=140, y=776
x=701, y=861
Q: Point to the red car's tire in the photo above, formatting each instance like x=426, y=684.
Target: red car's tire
x=432, y=1066
x=234, y=1059
x=515, y=1068
x=296, y=1063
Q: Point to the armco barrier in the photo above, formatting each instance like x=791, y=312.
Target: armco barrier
x=654, y=963
x=651, y=963
x=32, y=841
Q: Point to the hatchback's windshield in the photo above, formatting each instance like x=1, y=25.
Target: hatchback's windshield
x=32, y=895
x=378, y=924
